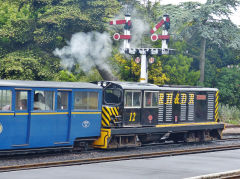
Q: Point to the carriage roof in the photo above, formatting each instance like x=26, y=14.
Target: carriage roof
x=148, y=86
x=133, y=85
x=186, y=88
x=47, y=84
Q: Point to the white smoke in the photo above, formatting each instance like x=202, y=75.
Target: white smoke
x=87, y=49
x=139, y=29
x=93, y=48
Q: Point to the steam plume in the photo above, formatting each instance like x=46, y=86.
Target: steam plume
x=90, y=50
x=139, y=28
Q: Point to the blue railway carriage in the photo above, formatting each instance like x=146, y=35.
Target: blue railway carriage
x=136, y=113
x=38, y=114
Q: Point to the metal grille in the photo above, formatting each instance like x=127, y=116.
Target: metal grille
x=210, y=106
x=168, y=112
x=191, y=112
x=183, y=112
x=169, y=101
x=160, y=112
x=160, y=107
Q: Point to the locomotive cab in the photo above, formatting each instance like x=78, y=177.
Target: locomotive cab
x=128, y=108
x=112, y=105
x=129, y=104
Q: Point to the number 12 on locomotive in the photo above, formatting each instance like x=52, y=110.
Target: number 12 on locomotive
x=132, y=117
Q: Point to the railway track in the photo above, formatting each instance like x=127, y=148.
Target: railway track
x=171, y=143
x=33, y=154
x=67, y=155
x=116, y=158
x=229, y=138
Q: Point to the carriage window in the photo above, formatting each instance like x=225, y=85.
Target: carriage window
x=5, y=100
x=151, y=99
x=62, y=100
x=112, y=96
x=92, y=100
x=43, y=100
x=21, y=100
x=86, y=100
x=132, y=99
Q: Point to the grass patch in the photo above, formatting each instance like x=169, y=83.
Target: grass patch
x=229, y=114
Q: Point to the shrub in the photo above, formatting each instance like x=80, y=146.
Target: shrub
x=229, y=114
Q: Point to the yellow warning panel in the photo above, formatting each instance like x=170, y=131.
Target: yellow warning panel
x=102, y=141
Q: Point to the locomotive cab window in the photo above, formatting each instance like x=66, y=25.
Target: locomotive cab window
x=112, y=96
x=43, y=100
x=84, y=100
x=150, y=99
x=5, y=100
x=132, y=99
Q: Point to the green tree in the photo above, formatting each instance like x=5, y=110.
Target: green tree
x=43, y=25
x=216, y=59
x=15, y=25
x=178, y=70
x=228, y=82
x=27, y=65
x=200, y=24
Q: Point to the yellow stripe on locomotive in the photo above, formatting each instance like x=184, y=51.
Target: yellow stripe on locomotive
x=216, y=106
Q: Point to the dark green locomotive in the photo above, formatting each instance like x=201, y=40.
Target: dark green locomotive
x=135, y=113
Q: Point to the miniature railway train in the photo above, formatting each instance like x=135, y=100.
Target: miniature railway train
x=105, y=114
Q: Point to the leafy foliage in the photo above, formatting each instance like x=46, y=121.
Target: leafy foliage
x=178, y=70
x=228, y=82
x=26, y=65
x=30, y=30
x=15, y=25
x=130, y=70
x=205, y=23
x=41, y=26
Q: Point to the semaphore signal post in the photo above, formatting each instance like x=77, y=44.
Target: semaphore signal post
x=144, y=52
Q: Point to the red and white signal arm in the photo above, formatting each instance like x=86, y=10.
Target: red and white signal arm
x=155, y=37
x=116, y=36
x=151, y=60
x=137, y=60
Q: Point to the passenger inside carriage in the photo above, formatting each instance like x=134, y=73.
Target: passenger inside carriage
x=22, y=105
x=5, y=100
x=39, y=102
x=6, y=108
x=21, y=100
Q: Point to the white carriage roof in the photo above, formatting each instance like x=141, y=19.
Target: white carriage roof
x=135, y=85
x=47, y=84
x=190, y=88
x=148, y=86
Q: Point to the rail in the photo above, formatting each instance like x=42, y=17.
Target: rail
x=116, y=158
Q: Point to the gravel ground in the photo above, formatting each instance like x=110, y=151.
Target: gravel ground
x=62, y=156
x=231, y=131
